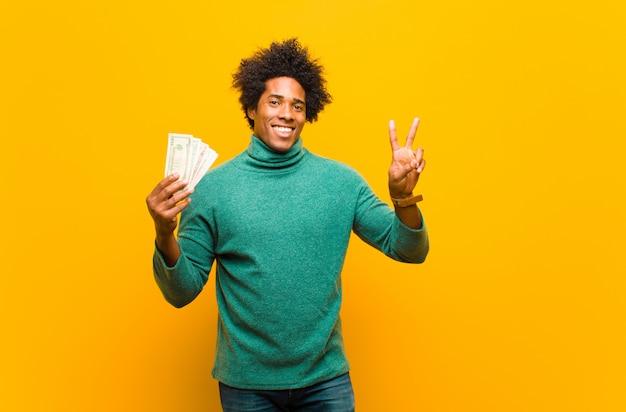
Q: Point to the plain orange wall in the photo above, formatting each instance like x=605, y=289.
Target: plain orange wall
x=521, y=304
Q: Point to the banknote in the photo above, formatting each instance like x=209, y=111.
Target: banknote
x=188, y=156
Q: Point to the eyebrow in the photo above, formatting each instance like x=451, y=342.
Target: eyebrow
x=278, y=96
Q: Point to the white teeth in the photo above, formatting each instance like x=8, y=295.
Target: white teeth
x=283, y=129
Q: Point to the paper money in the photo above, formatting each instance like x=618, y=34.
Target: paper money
x=189, y=156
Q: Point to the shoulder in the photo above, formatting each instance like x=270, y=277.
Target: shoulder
x=334, y=168
x=331, y=164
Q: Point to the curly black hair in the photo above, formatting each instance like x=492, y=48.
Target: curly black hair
x=286, y=59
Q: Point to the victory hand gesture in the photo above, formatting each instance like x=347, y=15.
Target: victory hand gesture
x=406, y=164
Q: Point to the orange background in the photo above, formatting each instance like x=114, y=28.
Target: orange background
x=521, y=303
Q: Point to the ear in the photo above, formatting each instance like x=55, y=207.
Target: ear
x=251, y=112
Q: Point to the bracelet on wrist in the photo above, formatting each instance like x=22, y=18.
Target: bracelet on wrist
x=407, y=201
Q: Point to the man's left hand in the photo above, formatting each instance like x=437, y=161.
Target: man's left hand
x=406, y=164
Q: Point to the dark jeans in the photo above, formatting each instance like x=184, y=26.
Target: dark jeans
x=334, y=395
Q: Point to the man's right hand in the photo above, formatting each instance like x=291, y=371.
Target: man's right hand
x=165, y=202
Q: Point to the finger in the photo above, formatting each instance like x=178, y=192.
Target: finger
x=419, y=154
x=421, y=166
x=420, y=162
x=168, y=180
x=180, y=206
x=412, y=133
x=180, y=196
x=173, y=189
x=163, y=190
x=169, y=210
x=163, y=199
x=393, y=136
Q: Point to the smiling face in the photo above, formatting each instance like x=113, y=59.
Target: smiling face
x=280, y=113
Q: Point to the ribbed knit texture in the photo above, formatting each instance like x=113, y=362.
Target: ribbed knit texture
x=278, y=225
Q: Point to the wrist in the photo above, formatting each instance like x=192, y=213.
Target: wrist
x=400, y=195
x=406, y=201
x=165, y=239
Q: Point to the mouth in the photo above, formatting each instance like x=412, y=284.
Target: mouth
x=283, y=130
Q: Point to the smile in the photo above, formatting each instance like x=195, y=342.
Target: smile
x=283, y=129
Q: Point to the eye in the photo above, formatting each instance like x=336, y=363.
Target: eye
x=273, y=102
x=298, y=107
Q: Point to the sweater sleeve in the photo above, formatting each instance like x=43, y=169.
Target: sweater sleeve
x=377, y=224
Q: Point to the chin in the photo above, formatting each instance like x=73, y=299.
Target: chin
x=284, y=147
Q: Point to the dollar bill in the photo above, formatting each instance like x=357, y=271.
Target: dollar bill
x=189, y=157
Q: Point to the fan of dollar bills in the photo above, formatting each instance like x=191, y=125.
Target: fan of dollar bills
x=188, y=156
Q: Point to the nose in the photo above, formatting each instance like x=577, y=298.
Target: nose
x=286, y=112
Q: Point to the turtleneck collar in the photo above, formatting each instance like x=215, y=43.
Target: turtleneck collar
x=261, y=155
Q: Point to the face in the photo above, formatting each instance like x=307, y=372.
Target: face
x=280, y=114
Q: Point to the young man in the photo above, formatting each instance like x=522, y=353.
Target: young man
x=277, y=219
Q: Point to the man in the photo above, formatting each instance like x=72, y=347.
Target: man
x=277, y=219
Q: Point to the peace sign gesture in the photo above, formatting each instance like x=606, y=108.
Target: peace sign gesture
x=406, y=164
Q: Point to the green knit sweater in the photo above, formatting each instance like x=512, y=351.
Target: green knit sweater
x=278, y=225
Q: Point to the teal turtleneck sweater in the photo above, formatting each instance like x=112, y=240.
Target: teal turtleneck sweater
x=278, y=225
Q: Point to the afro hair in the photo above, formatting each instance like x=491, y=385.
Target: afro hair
x=286, y=59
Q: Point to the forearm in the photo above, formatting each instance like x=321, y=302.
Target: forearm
x=168, y=246
x=409, y=215
x=399, y=234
